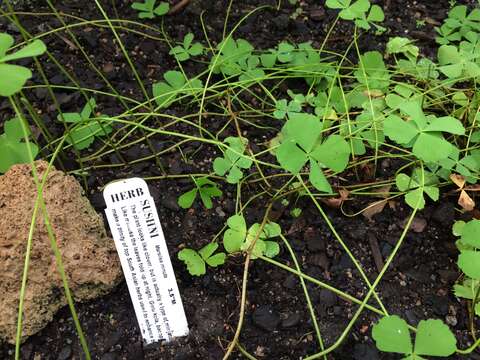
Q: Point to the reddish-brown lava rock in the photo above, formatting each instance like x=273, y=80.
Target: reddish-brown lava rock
x=88, y=254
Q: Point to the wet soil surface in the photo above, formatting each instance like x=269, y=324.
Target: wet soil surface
x=277, y=324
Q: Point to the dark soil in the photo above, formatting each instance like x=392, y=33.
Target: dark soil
x=277, y=323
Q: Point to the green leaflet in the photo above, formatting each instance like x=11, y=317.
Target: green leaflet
x=13, y=77
x=12, y=148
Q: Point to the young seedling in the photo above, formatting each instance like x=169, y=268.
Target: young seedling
x=301, y=144
x=13, y=149
x=433, y=338
x=87, y=129
x=148, y=10
x=357, y=11
x=13, y=77
x=233, y=160
x=458, y=25
x=196, y=260
x=236, y=238
x=187, y=49
x=207, y=190
x=414, y=189
x=165, y=92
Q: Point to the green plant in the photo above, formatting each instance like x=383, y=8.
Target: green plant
x=420, y=183
x=15, y=76
x=301, y=143
x=458, y=25
x=254, y=240
x=165, y=92
x=423, y=132
x=357, y=11
x=432, y=338
x=86, y=128
x=204, y=187
x=196, y=260
x=12, y=147
x=233, y=160
x=187, y=49
x=149, y=9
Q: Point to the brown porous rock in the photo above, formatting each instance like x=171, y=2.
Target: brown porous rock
x=88, y=254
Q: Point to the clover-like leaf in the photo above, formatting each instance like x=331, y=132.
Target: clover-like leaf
x=301, y=143
x=13, y=77
x=234, y=236
x=195, y=263
x=148, y=10
x=165, y=92
x=233, y=161
x=187, y=49
x=391, y=335
x=414, y=191
x=434, y=338
x=207, y=190
x=13, y=149
x=85, y=129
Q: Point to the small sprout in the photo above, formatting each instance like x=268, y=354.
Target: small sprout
x=282, y=108
x=86, y=129
x=12, y=148
x=187, y=49
x=416, y=186
x=233, y=160
x=148, y=10
x=357, y=11
x=165, y=92
x=207, y=190
x=236, y=238
x=196, y=260
x=433, y=338
x=13, y=77
x=296, y=212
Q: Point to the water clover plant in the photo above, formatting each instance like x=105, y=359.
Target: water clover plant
x=421, y=182
x=433, y=338
x=13, y=149
x=149, y=9
x=423, y=132
x=204, y=187
x=254, y=240
x=196, y=261
x=165, y=92
x=302, y=143
x=13, y=77
x=458, y=24
x=87, y=128
x=358, y=11
x=233, y=160
x=187, y=49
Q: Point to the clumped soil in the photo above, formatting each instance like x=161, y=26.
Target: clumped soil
x=277, y=325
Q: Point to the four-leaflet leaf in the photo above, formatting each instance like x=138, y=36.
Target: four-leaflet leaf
x=187, y=49
x=301, y=143
x=233, y=160
x=196, y=260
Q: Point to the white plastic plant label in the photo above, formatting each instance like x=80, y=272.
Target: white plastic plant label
x=145, y=261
